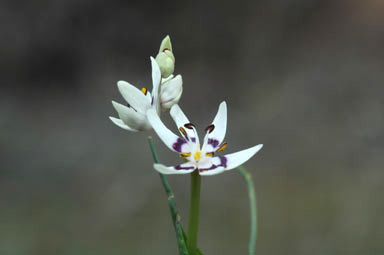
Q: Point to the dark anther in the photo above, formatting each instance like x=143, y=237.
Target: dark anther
x=210, y=128
x=165, y=49
x=129, y=106
x=189, y=125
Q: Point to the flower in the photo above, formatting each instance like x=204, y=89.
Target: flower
x=171, y=87
x=165, y=58
x=188, y=146
x=170, y=91
x=133, y=117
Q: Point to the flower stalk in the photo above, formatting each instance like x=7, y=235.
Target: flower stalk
x=194, y=210
x=172, y=204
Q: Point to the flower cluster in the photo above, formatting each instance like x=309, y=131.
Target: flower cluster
x=143, y=109
x=166, y=92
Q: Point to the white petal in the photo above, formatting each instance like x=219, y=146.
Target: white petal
x=238, y=158
x=175, y=100
x=210, y=166
x=131, y=117
x=179, y=169
x=172, y=141
x=163, y=80
x=120, y=123
x=180, y=119
x=213, y=140
x=229, y=161
x=156, y=80
x=178, y=116
x=134, y=96
x=171, y=91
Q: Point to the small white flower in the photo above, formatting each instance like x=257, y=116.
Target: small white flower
x=132, y=116
x=188, y=146
x=170, y=91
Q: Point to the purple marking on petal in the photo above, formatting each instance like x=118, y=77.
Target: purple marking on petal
x=180, y=167
x=193, y=139
x=223, y=163
x=152, y=100
x=178, y=144
x=213, y=142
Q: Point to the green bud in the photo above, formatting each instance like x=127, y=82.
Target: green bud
x=166, y=44
x=165, y=58
x=166, y=64
x=170, y=54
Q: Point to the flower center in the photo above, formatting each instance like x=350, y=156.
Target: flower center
x=197, y=156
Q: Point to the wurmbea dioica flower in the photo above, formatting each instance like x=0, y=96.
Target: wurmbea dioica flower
x=132, y=116
x=171, y=87
x=201, y=158
x=166, y=92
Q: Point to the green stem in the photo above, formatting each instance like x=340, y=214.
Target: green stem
x=253, y=209
x=194, y=209
x=172, y=204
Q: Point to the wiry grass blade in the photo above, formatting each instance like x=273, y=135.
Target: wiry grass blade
x=253, y=209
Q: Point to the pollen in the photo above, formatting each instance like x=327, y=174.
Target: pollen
x=197, y=156
x=222, y=147
x=185, y=154
x=209, y=154
x=182, y=130
x=144, y=90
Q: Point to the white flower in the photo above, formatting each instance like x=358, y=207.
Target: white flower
x=188, y=146
x=132, y=116
x=170, y=91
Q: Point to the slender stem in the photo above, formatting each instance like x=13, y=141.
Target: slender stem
x=172, y=204
x=194, y=209
x=253, y=209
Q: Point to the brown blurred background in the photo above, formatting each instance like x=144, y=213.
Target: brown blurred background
x=304, y=77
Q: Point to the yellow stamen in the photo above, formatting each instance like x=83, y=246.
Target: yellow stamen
x=182, y=130
x=185, y=154
x=222, y=147
x=209, y=154
x=144, y=90
x=197, y=156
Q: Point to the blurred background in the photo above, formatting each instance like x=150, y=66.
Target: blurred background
x=303, y=77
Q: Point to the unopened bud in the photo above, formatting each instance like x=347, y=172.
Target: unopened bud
x=165, y=44
x=165, y=58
